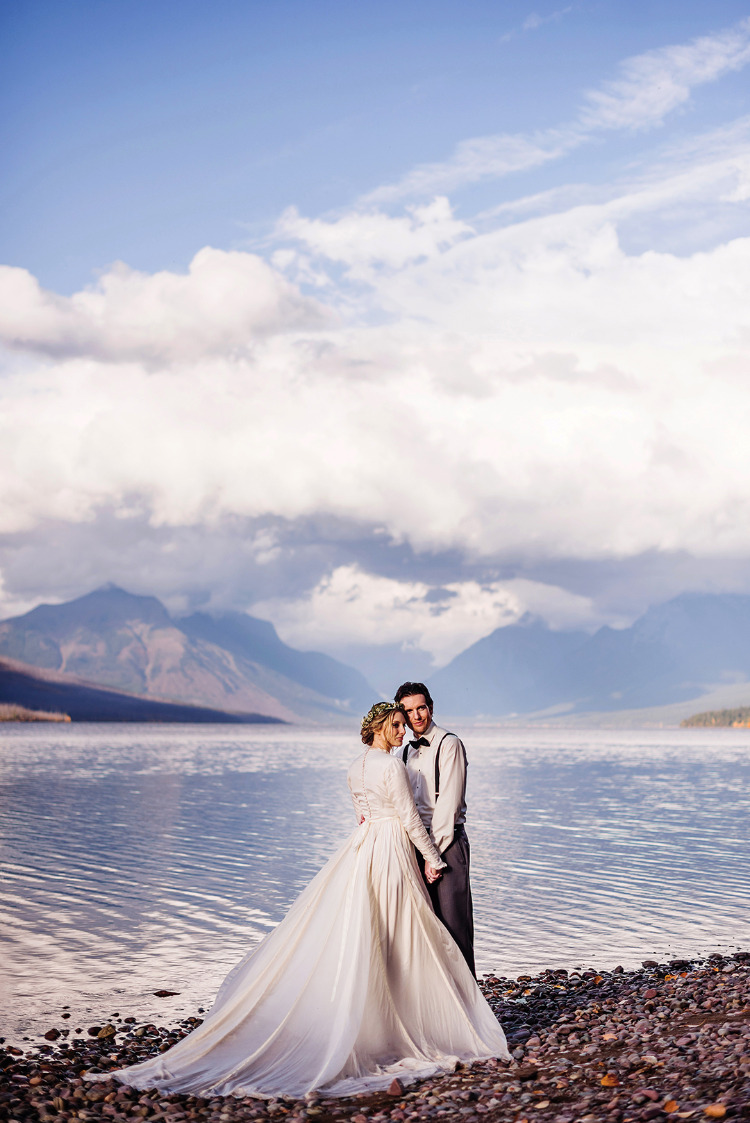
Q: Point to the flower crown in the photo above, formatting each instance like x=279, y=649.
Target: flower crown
x=376, y=713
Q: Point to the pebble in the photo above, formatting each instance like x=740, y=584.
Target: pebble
x=669, y=1039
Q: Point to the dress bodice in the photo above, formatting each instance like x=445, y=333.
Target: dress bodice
x=380, y=790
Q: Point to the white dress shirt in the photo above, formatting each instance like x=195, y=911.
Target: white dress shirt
x=440, y=816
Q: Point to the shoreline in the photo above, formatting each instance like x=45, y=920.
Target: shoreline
x=620, y=1046
x=9, y=711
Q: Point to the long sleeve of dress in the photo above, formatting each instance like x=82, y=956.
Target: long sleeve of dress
x=452, y=788
x=399, y=790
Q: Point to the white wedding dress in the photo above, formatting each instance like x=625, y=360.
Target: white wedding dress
x=360, y=982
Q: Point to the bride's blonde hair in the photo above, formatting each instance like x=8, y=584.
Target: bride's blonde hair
x=379, y=716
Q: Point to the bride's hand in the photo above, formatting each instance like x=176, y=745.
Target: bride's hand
x=432, y=874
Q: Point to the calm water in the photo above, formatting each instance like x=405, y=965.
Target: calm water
x=137, y=858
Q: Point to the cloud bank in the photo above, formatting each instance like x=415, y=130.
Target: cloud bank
x=223, y=303
x=440, y=620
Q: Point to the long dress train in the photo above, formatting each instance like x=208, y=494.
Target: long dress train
x=360, y=982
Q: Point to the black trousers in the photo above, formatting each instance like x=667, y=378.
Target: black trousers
x=451, y=895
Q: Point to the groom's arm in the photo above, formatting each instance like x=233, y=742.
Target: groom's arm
x=452, y=788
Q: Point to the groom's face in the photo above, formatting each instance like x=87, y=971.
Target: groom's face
x=418, y=713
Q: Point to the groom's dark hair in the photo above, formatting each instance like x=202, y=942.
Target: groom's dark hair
x=408, y=688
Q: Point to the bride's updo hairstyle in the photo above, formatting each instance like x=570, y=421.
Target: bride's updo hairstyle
x=379, y=716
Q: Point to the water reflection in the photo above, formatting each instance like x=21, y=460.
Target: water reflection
x=141, y=858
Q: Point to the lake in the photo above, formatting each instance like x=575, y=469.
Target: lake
x=138, y=857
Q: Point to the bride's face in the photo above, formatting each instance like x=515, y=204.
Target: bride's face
x=397, y=732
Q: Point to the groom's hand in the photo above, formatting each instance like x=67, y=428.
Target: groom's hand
x=432, y=874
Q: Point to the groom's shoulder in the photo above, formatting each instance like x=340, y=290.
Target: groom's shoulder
x=447, y=739
x=441, y=734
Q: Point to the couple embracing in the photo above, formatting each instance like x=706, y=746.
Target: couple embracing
x=370, y=975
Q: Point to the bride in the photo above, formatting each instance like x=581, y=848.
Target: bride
x=360, y=982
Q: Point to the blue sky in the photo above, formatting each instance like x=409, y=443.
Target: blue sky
x=142, y=131
x=388, y=322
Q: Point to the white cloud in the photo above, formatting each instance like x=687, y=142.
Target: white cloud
x=534, y=21
x=647, y=89
x=481, y=157
x=654, y=84
x=362, y=239
x=223, y=303
x=381, y=610
x=706, y=169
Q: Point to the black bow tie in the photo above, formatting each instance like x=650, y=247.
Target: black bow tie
x=418, y=742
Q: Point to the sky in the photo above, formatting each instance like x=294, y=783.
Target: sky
x=387, y=322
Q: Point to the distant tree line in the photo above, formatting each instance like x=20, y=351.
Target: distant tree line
x=738, y=718
x=21, y=713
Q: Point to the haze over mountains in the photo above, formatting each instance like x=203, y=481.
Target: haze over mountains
x=233, y=663
x=677, y=651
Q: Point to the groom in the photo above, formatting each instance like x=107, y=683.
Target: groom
x=436, y=765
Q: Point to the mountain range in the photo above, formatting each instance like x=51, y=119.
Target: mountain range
x=230, y=662
x=233, y=664
x=56, y=692
x=677, y=651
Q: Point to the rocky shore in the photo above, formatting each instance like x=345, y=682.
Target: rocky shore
x=669, y=1039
